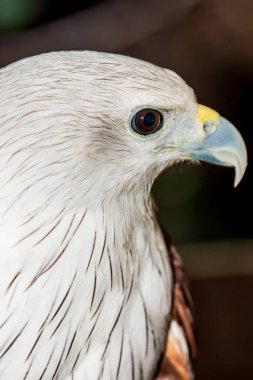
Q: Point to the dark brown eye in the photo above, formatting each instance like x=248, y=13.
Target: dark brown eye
x=147, y=121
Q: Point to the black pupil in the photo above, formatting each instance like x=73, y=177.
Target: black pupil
x=149, y=119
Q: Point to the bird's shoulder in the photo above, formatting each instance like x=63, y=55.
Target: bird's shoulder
x=181, y=345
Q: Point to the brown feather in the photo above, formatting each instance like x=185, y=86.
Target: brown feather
x=175, y=364
x=183, y=308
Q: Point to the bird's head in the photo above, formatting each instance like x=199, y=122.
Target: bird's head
x=146, y=118
x=109, y=124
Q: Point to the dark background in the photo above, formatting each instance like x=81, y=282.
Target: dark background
x=210, y=44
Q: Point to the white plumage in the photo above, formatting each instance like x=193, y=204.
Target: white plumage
x=85, y=283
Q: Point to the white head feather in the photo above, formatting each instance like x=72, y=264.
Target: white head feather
x=66, y=127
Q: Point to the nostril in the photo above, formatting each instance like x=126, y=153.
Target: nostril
x=209, y=127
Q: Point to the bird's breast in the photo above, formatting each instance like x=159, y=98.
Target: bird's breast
x=73, y=295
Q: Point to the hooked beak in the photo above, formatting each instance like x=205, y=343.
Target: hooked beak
x=222, y=143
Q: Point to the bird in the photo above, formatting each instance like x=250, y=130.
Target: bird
x=90, y=286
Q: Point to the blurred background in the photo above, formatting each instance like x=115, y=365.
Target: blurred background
x=210, y=44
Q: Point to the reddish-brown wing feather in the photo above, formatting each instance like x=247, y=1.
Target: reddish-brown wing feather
x=176, y=364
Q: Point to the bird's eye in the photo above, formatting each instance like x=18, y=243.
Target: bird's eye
x=147, y=121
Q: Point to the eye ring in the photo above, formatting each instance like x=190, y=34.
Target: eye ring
x=147, y=121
